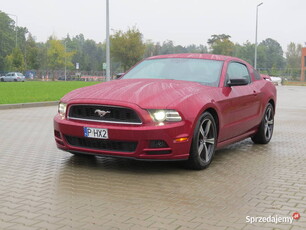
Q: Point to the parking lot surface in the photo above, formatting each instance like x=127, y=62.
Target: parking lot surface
x=42, y=187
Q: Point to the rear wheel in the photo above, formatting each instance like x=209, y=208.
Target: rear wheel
x=203, y=142
x=2, y=79
x=265, y=131
x=15, y=80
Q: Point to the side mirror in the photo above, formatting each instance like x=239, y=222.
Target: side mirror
x=119, y=75
x=237, y=82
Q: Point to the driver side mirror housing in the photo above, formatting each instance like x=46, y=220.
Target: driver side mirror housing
x=237, y=82
x=119, y=75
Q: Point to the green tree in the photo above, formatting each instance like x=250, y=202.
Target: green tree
x=76, y=44
x=216, y=37
x=245, y=51
x=31, y=53
x=7, y=38
x=87, y=53
x=15, y=61
x=270, y=54
x=92, y=56
x=220, y=44
x=21, y=38
x=42, y=56
x=167, y=47
x=293, y=60
x=196, y=49
x=56, y=55
x=127, y=47
x=151, y=49
x=293, y=55
x=8, y=31
x=180, y=49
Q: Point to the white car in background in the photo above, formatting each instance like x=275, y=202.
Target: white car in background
x=13, y=76
x=276, y=80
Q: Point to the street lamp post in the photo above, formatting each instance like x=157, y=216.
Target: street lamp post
x=107, y=43
x=15, y=28
x=255, y=60
x=65, y=60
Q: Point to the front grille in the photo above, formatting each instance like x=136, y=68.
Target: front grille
x=109, y=145
x=104, y=113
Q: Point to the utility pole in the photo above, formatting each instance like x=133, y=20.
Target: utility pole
x=255, y=59
x=65, y=60
x=107, y=43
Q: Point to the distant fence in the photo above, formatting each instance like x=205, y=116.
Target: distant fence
x=93, y=78
x=70, y=75
x=289, y=74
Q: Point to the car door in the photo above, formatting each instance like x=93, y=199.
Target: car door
x=242, y=102
x=7, y=77
x=14, y=77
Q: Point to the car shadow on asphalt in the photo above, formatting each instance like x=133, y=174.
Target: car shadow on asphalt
x=147, y=167
x=92, y=162
x=123, y=164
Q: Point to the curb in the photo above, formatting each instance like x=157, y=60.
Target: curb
x=28, y=105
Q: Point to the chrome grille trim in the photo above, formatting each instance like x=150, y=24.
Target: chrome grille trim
x=104, y=121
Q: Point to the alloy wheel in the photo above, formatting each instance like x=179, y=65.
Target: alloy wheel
x=268, y=123
x=206, y=140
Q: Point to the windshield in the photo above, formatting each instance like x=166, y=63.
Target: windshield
x=206, y=72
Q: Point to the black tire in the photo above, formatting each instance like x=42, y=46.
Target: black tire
x=15, y=80
x=2, y=79
x=204, y=142
x=265, y=130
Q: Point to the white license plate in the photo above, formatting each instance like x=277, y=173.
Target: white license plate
x=95, y=133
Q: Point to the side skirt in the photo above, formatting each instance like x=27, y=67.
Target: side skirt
x=236, y=139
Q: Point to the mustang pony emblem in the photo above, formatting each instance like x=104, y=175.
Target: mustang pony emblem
x=101, y=113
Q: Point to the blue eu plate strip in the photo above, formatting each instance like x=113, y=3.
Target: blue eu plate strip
x=85, y=132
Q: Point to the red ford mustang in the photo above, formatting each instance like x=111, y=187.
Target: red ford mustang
x=169, y=107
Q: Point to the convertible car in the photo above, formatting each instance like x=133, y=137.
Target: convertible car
x=169, y=107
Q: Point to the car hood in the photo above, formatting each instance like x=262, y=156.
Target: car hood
x=146, y=93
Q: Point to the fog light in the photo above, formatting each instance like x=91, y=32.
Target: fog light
x=57, y=134
x=158, y=144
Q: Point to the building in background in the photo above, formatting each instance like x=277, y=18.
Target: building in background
x=303, y=64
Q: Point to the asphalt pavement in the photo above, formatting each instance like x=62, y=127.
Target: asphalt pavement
x=42, y=187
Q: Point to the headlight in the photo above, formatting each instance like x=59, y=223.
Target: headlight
x=62, y=109
x=161, y=115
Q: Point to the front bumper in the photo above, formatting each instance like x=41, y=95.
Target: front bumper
x=143, y=135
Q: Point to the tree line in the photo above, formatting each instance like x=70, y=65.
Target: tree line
x=127, y=48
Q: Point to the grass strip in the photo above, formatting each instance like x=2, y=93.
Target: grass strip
x=37, y=91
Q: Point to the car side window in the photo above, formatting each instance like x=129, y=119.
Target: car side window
x=256, y=75
x=237, y=70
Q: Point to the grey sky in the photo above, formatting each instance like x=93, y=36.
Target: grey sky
x=184, y=22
